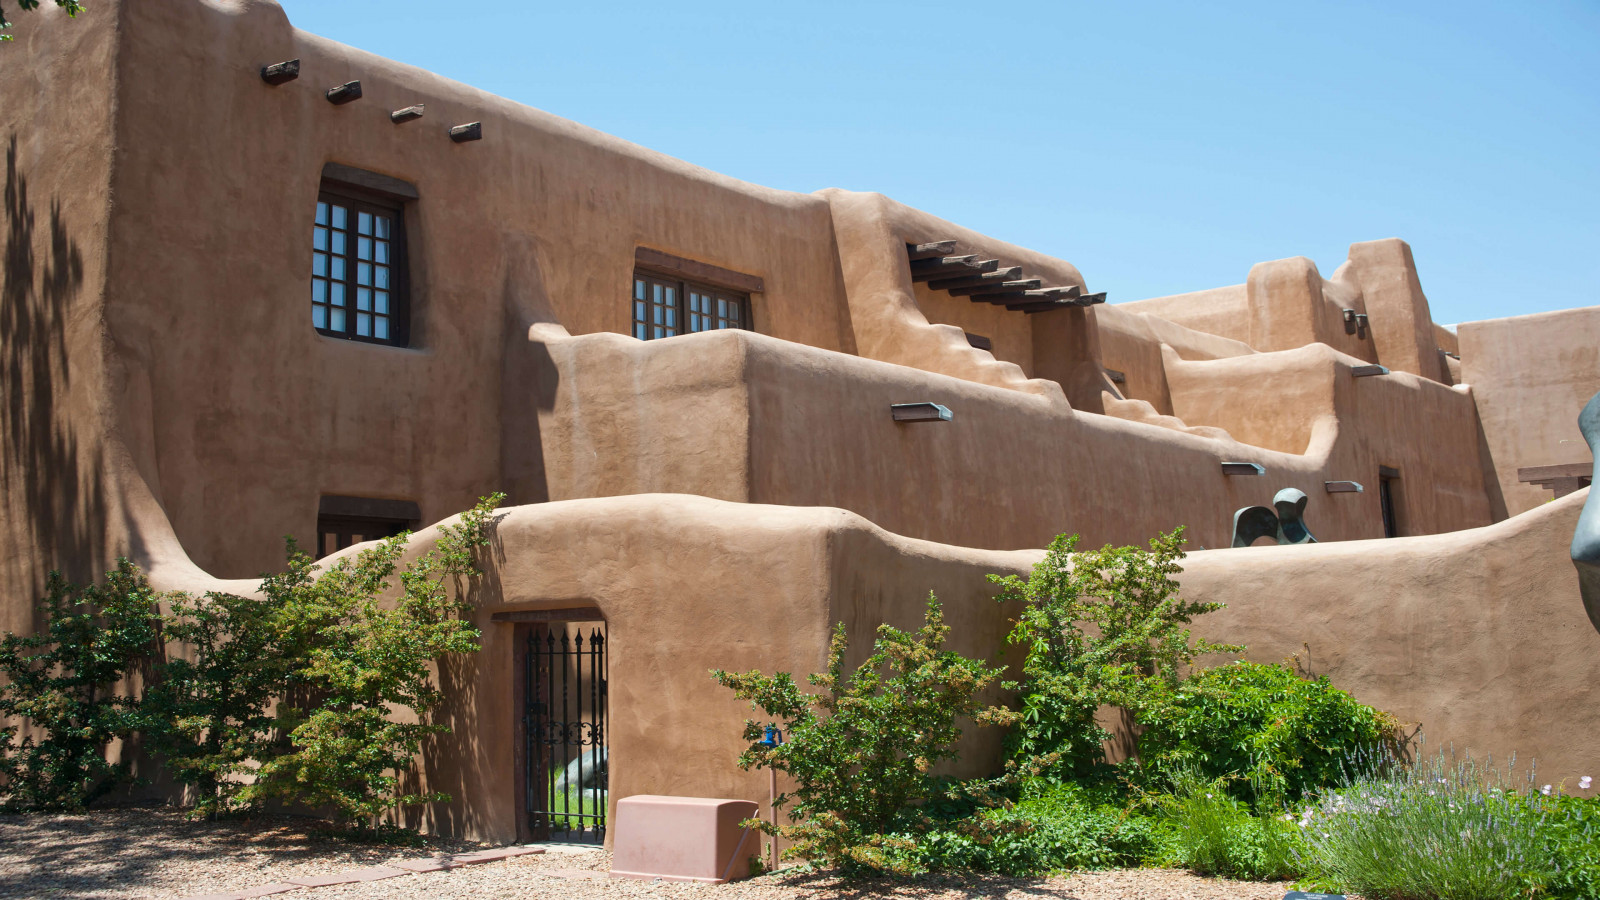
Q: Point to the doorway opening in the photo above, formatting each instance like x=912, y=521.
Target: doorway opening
x=565, y=759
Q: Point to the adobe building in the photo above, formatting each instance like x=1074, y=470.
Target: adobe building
x=344, y=296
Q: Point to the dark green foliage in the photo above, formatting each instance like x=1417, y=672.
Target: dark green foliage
x=1065, y=827
x=317, y=693
x=1101, y=628
x=73, y=7
x=359, y=661
x=67, y=682
x=217, y=707
x=1269, y=733
x=863, y=749
x=1571, y=828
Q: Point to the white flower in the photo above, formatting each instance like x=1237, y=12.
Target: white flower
x=1584, y=782
x=1545, y=790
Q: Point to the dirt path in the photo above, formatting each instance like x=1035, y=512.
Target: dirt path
x=158, y=854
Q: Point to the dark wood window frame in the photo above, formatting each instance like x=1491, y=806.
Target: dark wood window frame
x=343, y=521
x=672, y=295
x=360, y=282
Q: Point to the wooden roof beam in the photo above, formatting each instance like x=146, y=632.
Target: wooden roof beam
x=947, y=266
x=931, y=250
x=1040, y=301
x=1007, y=274
x=997, y=287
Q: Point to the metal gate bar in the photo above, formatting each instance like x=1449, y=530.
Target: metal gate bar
x=566, y=752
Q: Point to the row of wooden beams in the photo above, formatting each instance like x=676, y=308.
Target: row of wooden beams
x=985, y=282
x=947, y=266
x=1007, y=274
x=930, y=251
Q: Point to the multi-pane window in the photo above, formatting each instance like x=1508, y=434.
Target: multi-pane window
x=357, y=270
x=664, y=306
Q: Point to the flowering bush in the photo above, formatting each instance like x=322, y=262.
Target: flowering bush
x=1439, y=831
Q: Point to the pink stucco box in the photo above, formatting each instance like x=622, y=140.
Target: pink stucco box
x=683, y=839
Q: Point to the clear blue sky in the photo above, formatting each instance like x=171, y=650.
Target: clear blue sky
x=1160, y=147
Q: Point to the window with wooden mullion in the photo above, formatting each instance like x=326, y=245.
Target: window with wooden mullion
x=355, y=270
x=663, y=307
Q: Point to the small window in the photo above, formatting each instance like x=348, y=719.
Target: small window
x=664, y=306
x=343, y=521
x=1388, y=487
x=358, y=266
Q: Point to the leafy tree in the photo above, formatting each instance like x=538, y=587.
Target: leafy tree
x=73, y=7
x=1101, y=628
x=65, y=681
x=862, y=750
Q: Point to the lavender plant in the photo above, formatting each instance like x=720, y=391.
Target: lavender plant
x=1439, y=830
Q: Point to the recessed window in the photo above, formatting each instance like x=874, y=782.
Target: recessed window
x=343, y=521
x=1388, y=488
x=664, y=306
x=358, y=265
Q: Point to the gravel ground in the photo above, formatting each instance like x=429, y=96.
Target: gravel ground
x=158, y=854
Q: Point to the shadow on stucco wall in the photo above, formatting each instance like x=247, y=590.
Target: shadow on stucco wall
x=465, y=757
x=54, y=490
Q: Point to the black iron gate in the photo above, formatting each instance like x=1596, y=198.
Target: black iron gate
x=565, y=718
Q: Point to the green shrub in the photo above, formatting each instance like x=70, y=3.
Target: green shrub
x=1102, y=627
x=366, y=668
x=218, y=724
x=1571, y=829
x=67, y=682
x=317, y=693
x=1215, y=834
x=862, y=751
x=1064, y=827
x=1437, y=831
x=1269, y=733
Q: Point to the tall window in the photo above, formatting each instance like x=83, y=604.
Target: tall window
x=1388, y=487
x=358, y=278
x=664, y=306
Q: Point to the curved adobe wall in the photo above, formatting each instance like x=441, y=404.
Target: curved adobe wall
x=1479, y=636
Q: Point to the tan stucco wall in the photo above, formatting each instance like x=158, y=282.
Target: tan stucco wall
x=1531, y=375
x=786, y=424
x=56, y=505
x=247, y=414
x=1479, y=637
